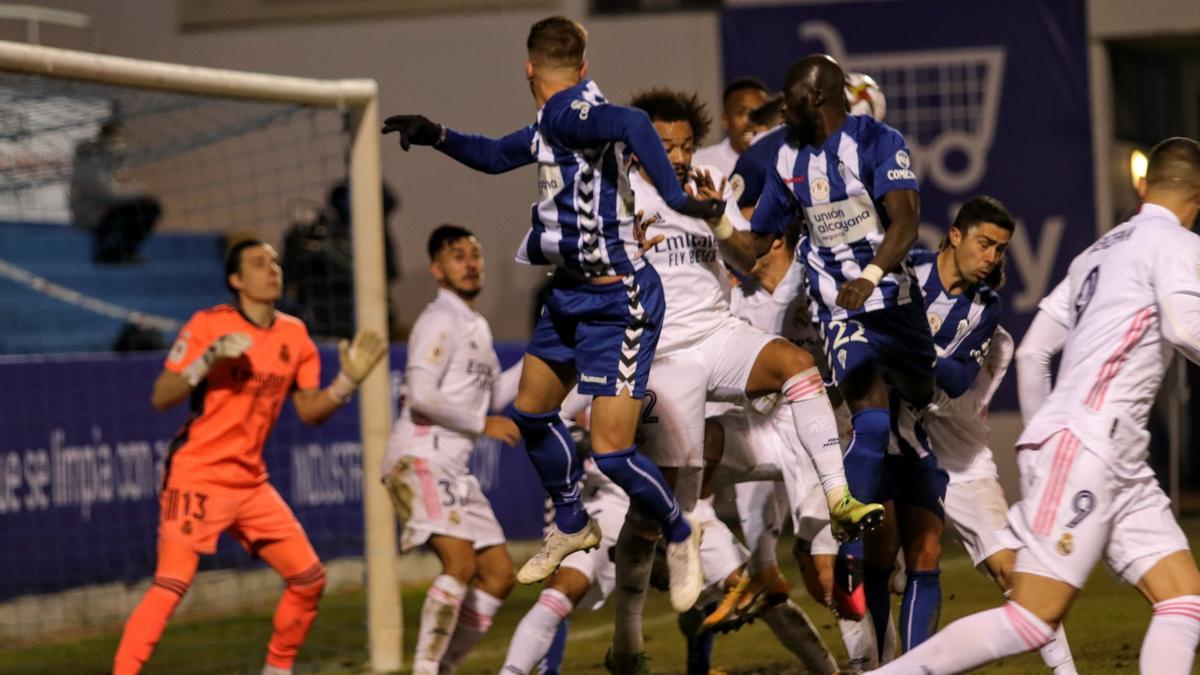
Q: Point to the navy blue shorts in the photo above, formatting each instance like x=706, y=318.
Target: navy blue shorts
x=895, y=338
x=608, y=332
x=914, y=481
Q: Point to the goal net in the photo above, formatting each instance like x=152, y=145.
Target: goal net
x=122, y=183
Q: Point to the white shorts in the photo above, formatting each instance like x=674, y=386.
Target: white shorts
x=978, y=514
x=671, y=432
x=1075, y=510
x=598, y=564
x=429, y=500
x=761, y=441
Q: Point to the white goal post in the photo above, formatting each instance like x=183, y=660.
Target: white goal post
x=359, y=97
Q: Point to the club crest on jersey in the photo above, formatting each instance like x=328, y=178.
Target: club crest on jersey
x=284, y=354
x=179, y=349
x=902, y=159
x=737, y=185
x=1066, y=544
x=935, y=322
x=820, y=189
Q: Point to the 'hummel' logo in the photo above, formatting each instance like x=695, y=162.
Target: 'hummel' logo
x=592, y=379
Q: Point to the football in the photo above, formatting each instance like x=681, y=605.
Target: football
x=864, y=97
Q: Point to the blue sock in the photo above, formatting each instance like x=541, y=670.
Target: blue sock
x=647, y=490
x=921, y=609
x=552, y=664
x=700, y=647
x=876, y=585
x=864, y=457
x=553, y=455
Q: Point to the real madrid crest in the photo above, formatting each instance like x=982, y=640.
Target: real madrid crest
x=1066, y=544
x=935, y=322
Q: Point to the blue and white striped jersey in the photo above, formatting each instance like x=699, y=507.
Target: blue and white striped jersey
x=839, y=189
x=583, y=145
x=962, y=325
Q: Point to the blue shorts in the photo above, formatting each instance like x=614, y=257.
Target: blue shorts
x=895, y=338
x=910, y=480
x=608, y=332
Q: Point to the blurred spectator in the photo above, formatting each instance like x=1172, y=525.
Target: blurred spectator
x=117, y=212
x=318, y=266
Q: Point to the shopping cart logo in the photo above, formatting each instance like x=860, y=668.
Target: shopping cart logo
x=944, y=101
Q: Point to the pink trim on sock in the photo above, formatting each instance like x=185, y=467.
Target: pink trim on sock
x=444, y=597
x=1029, y=633
x=804, y=385
x=472, y=619
x=1185, y=608
x=561, y=609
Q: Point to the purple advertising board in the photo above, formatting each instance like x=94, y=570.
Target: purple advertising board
x=992, y=96
x=81, y=458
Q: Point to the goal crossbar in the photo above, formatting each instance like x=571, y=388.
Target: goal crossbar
x=159, y=75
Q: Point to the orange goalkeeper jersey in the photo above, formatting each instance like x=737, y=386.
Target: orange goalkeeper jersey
x=235, y=406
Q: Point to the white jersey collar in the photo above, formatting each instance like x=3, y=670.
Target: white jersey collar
x=451, y=300
x=1150, y=210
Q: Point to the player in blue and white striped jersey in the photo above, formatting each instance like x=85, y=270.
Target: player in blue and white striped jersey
x=959, y=285
x=850, y=178
x=600, y=325
x=962, y=311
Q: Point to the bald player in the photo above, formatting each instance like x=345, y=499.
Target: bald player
x=1087, y=489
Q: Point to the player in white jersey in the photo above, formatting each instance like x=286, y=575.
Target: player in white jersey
x=453, y=382
x=1087, y=490
x=704, y=353
x=741, y=96
x=586, y=579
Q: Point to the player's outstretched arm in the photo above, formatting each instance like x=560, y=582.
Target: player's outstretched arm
x=172, y=388
x=357, y=360
x=490, y=155
x=595, y=125
x=904, y=209
x=1045, y=338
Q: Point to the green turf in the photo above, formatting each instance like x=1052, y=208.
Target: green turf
x=1104, y=628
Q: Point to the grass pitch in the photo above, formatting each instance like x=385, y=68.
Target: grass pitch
x=1104, y=629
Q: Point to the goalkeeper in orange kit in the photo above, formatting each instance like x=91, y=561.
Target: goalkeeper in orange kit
x=237, y=363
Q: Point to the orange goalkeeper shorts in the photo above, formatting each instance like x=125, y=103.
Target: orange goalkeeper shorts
x=195, y=513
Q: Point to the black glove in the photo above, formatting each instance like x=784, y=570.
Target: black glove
x=704, y=209
x=413, y=129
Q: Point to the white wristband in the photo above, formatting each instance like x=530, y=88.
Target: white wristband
x=724, y=229
x=872, y=273
x=342, y=388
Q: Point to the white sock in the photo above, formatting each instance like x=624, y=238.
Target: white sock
x=1057, y=654
x=634, y=558
x=817, y=428
x=535, y=633
x=859, y=638
x=439, y=616
x=795, y=632
x=1170, y=643
x=757, y=514
x=474, y=620
x=974, y=641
